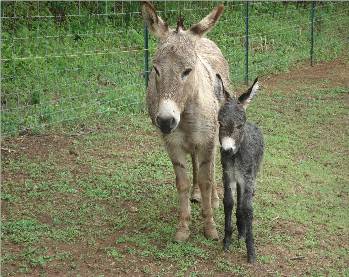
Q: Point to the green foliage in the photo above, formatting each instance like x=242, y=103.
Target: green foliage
x=66, y=62
x=114, y=253
x=24, y=230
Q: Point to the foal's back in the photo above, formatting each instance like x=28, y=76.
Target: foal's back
x=250, y=155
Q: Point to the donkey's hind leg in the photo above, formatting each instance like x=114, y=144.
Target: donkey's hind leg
x=195, y=193
x=214, y=195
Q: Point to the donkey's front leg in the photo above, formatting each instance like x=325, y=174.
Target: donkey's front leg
x=206, y=177
x=183, y=186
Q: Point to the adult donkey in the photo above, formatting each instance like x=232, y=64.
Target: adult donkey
x=182, y=104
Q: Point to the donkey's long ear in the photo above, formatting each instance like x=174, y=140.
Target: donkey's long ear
x=245, y=98
x=206, y=24
x=221, y=94
x=154, y=22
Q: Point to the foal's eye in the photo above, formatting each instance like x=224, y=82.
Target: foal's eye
x=186, y=73
x=156, y=70
x=239, y=126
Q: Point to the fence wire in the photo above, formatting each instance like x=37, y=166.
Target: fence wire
x=70, y=61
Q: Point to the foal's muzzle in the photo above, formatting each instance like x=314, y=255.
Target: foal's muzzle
x=227, y=152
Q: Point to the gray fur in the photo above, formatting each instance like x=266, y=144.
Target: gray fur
x=240, y=163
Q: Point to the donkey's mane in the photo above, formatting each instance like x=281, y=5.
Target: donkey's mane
x=180, y=23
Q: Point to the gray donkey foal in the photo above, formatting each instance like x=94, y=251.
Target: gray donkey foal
x=242, y=150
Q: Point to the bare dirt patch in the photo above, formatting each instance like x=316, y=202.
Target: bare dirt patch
x=35, y=146
x=324, y=74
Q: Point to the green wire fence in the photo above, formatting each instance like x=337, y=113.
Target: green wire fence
x=69, y=62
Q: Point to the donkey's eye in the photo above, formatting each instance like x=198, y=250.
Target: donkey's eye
x=156, y=70
x=239, y=126
x=186, y=73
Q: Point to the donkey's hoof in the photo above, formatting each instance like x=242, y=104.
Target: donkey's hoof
x=181, y=235
x=215, y=203
x=211, y=233
x=195, y=197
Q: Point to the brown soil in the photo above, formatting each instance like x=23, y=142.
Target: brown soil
x=66, y=152
x=334, y=73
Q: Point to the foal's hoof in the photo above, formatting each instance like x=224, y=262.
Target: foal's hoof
x=195, y=196
x=182, y=235
x=241, y=237
x=211, y=233
x=226, y=244
x=215, y=203
x=251, y=259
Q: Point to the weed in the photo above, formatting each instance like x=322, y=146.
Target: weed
x=114, y=253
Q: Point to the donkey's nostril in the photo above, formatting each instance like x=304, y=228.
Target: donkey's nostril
x=158, y=121
x=173, y=123
x=166, y=125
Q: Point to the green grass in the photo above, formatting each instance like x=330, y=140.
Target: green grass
x=93, y=201
x=51, y=75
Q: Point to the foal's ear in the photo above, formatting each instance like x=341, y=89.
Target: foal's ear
x=221, y=94
x=245, y=98
x=206, y=24
x=154, y=22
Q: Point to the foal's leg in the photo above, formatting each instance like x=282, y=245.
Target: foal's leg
x=195, y=194
x=240, y=220
x=248, y=215
x=178, y=158
x=228, y=200
x=206, y=176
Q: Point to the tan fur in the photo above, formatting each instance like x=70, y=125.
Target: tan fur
x=206, y=24
x=155, y=24
x=197, y=131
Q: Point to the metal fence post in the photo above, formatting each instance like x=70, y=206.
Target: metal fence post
x=146, y=55
x=246, y=42
x=312, y=33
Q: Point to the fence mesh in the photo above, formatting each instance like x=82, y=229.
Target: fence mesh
x=69, y=61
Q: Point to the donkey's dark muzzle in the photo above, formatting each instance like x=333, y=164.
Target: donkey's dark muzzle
x=166, y=125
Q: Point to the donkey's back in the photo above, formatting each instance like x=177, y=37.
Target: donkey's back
x=209, y=52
